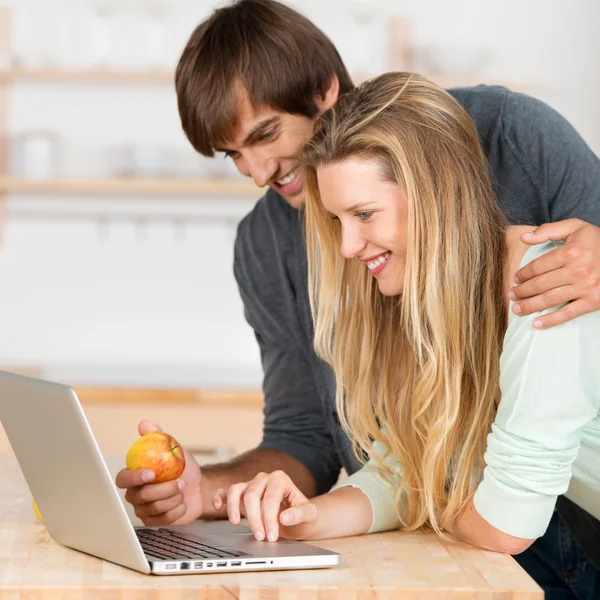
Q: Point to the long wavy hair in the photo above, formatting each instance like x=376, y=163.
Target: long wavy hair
x=418, y=372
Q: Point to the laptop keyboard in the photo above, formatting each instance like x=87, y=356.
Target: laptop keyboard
x=167, y=544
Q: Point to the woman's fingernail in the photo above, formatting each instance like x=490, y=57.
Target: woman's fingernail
x=517, y=281
x=538, y=323
x=148, y=476
x=181, y=484
x=287, y=519
x=260, y=536
x=512, y=296
x=233, y=517
x=271, y=536
x=517, y=309
x=528, y=233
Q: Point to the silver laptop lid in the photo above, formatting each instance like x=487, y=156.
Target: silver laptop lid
x=65, y=471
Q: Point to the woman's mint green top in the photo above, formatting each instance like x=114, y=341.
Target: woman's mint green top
x=545, y=440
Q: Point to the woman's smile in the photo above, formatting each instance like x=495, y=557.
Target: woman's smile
x=378, y=264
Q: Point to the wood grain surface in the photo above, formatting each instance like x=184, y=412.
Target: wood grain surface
x=388, y=566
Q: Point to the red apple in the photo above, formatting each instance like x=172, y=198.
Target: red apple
x=159, y=452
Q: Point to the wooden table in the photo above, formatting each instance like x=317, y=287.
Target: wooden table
x=389, y=566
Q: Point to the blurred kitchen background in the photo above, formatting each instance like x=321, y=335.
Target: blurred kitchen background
x=116, y=237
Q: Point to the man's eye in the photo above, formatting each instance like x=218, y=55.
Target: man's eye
x=267, y=135
x=231, y=154
x=364, y=216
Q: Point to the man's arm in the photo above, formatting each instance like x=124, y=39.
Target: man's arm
x=270, y=269
x=566, y=176
x=190, y=497
x=570, y=274
x=296, y=438
x=296, y=435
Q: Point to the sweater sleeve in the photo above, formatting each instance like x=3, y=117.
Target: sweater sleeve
x=556, y=159
x=380, y=492
x=294, y=417
x=549, y=394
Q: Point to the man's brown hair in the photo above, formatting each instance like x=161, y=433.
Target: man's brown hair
x=280, y=57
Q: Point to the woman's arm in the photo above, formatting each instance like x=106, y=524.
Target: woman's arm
x=275, y=507
x=362, y=503
x=342, y=512
x=549, y=383
x=469, y=526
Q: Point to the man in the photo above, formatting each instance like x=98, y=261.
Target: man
x=251, y=82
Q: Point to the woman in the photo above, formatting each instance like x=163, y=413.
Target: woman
x=474, y=421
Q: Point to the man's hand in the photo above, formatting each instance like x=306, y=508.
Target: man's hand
x=171, y=502
x=570, y=274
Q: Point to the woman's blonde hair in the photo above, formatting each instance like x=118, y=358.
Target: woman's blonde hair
x=418, y=372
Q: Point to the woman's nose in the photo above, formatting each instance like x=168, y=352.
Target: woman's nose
x=352, y=244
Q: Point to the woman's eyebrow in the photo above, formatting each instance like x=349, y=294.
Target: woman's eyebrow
x=358, y=205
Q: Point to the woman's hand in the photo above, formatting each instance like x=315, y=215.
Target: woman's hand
x=273, y=505
x=569, y=274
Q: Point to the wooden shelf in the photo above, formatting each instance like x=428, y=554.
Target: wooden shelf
x=170, y=397
x=87, y=75
x=111, y=394
x=159, y=186
x=135, y=77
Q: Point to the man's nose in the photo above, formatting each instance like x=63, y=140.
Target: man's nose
x=352, y=243
x=261, y=170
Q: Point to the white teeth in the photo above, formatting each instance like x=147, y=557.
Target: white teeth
x=374, y=264
x=287, y=179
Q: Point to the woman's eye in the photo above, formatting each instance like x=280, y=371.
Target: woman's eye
x=364, y=216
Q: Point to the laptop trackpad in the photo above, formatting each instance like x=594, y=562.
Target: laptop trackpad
x=224, y=534
x=203, y=528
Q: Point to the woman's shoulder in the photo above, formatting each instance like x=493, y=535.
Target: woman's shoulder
x=576, y=341
x=538, y=250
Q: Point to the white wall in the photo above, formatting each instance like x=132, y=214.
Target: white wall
x=140, y=290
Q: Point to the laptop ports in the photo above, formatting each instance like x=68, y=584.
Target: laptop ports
x=221, y=564
x=197, y=565
x=184, y=566
x=236, y=563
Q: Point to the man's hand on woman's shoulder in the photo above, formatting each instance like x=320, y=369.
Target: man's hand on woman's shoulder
x=568, y=274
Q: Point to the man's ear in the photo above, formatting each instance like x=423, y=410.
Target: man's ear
x=330, y=96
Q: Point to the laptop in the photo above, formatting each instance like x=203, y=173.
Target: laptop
x=82, y=508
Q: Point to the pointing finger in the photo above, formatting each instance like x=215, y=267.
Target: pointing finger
x=234, y=494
